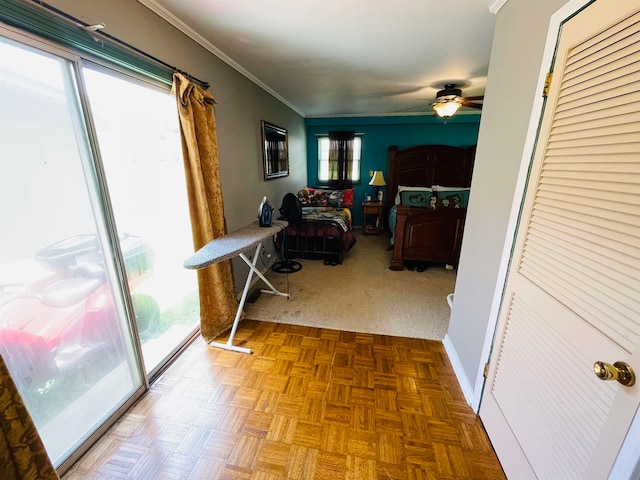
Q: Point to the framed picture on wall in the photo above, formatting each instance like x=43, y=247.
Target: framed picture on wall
x=275, y=151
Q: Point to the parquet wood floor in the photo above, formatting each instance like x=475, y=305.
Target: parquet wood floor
x=309, y=403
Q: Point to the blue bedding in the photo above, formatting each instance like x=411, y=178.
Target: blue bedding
x=392, y=223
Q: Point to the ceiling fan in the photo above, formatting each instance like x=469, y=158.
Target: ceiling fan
x=450, y=99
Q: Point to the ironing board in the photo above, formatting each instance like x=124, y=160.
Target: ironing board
x=232, y=245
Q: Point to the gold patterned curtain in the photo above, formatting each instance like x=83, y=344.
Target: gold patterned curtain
x=218, y=303
x=22, y=453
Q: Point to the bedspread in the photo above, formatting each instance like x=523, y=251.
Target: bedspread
x=328, y=213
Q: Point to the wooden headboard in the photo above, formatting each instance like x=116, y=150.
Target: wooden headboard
x=427, y=165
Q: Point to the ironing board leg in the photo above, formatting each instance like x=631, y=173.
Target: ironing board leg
x=273, y=290
x=252, y=269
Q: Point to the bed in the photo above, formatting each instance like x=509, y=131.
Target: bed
x=326, y=230
x=428, y=192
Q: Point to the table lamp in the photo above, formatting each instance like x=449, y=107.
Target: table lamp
x=377, y=180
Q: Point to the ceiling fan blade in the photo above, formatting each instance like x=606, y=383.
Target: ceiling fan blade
x=478, y=97
x=472, y=105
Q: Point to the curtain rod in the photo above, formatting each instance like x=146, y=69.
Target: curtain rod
x=94, y=31
x=326, y=134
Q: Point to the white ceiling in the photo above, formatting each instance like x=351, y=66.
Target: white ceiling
x=345, y=57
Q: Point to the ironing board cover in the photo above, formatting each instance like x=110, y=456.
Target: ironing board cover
x=233, y=244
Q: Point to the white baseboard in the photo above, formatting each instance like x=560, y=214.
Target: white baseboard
x=463, y=380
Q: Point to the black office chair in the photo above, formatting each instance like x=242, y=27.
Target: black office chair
x=291, y=211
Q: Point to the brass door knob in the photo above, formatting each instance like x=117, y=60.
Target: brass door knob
x=619, y=371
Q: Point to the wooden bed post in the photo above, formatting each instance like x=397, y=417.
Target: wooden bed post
x=392, y=187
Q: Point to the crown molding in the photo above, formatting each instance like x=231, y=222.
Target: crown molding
x=394, y=114
x=496, y=5
x=196, y=37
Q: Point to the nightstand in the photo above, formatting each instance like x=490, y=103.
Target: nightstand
x=371, y=218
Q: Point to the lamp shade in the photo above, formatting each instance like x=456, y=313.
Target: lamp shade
x=447, y=108
x=377, y=180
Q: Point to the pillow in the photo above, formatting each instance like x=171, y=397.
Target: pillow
x=316, y=197
x=348, y=197
x=416, y=198
x=451, y=197
x=311, y=197
x=304, y=195
x=404, y=188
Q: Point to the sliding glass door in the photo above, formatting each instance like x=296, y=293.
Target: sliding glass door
x=94, y=229
x=63, y=329
x=139, y=142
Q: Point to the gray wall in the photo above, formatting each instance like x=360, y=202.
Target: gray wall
x=516, y=59
x=241, y=105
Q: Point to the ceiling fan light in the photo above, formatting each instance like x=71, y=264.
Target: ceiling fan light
x=447, y=108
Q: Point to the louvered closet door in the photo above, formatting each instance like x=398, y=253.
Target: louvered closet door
x=573, y=292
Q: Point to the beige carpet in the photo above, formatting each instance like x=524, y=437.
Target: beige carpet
x=361, y=295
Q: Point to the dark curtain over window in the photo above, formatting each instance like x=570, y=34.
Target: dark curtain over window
x=341, y=159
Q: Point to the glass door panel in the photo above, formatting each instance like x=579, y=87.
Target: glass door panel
x=63, y=332
x=138, y=133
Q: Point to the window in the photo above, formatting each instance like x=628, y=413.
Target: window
x=147, y=139
x=63, y=329
x=323, y=160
